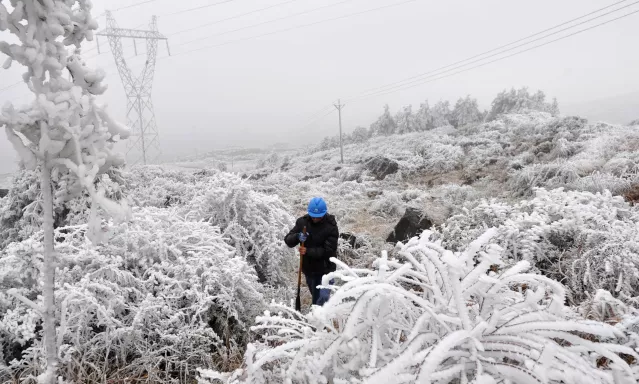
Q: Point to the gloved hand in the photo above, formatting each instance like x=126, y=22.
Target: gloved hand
x=302, y=237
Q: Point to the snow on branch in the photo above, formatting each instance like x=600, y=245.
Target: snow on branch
x=435, y=316
x=160, y=284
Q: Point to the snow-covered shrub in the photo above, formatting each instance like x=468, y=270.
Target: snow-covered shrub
x=362, y=253
x=585, y=240
x=253, y=223
x=557, y=174
x=602, y=306
x=455, y=196
x=602, y=182
x=155, y=186
x=21, y=214
x=412, y=194
x=434, y=317
x=389, y=204
x=438, y=157
x=620, y=166
x=160, y=296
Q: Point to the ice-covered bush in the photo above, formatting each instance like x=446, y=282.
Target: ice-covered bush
x=388, y=204
x=438, y=157
x=253, y=223
x=155, y=186
x=602, y=182
x=21, y=212
x=560, y=173
x=585, y=240
x=160, y=296
x=455, y=196
x=435, y=316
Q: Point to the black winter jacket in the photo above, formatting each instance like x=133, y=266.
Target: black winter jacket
x=321, y=243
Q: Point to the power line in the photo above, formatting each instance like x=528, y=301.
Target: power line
x=231, y=18
x=269, y=21
x=264, y=34
x=499, y=50
x=131, y=6
x=291, y=28
x=327, y=110
x=11, y=86
x=424, y=81
x=311, y=122
x=197, y=8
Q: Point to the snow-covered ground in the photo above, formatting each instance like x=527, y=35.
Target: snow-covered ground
x=178, y=273
x=530, y=271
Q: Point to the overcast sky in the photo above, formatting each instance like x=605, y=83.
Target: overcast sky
x=264, y=90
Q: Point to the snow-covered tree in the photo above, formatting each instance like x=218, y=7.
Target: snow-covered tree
x=440, y=114
x=360, y=135
x=423, y=118
x=385, y=124
x=405, y=120
x=466, y=111
x=516, y=101
x=63, y=133
x=330, y=142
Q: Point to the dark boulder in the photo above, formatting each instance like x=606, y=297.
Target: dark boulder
x=3, y=193
x=381, y=167
x=309, y=177
x=255, y=176
x=172, y=200
x=350, y=239
x=204, y=173
x=413, y=223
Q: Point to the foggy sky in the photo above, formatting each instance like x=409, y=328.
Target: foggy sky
x=262, y=91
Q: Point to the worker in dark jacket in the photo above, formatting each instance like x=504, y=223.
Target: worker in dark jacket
x=320, y=244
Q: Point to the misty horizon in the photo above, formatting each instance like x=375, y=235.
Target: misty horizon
x=242, y=82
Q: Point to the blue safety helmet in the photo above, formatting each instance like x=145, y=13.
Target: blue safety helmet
x=317, y=207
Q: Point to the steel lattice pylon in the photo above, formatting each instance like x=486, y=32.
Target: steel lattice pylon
x=140, y=114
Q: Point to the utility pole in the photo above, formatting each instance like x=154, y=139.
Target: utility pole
x=140, y=113
x=339, y=107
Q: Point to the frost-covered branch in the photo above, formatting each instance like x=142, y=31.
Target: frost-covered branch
x=474, y=325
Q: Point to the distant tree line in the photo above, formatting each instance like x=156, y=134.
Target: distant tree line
x=465, y=112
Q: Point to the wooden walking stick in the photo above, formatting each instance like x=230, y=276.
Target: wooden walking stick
x=298, y=302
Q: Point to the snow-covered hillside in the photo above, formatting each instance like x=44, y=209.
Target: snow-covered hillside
x=530, y=272
x=482, y=247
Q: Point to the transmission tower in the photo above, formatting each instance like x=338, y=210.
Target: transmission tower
x=145, y=141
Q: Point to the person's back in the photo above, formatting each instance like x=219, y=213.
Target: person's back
x=320, y=244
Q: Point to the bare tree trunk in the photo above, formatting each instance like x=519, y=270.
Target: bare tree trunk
x=48, y=275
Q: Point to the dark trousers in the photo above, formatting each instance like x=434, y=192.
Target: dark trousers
x=313, y=280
